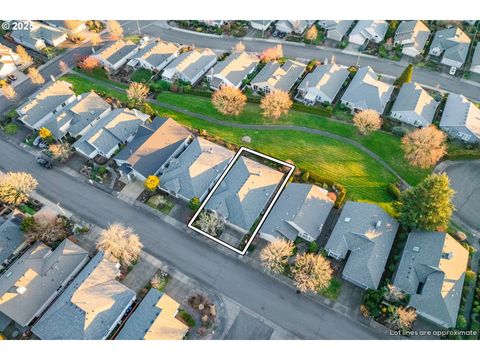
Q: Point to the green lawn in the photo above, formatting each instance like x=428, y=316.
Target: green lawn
x=141, y=75
x=333, y=290
x=10, y=129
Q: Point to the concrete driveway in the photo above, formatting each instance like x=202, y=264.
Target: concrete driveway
x=465, y=180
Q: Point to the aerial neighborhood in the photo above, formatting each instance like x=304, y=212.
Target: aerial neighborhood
x=147, y=174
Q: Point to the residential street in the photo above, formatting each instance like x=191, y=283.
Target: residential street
x=197, y=259
x=423, y=76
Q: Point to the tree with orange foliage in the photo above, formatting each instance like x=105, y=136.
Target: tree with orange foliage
x=423, y=148
x=229, y=100
x=276, y=104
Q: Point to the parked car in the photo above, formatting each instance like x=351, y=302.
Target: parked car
x=42, y=145
x=44, y=163
x=453, y=70
x=37, y=141
x=12, y=77
x=275, y=33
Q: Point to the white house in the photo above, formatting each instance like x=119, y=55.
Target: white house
x=190, y=66
x=114, y=56
x=368, y=30
x=336, y=29
x=275, y=76
x=261, y=25
x=451, y=45
x=37, y=36
x=293, y=26
x=475, y=67
x=9, y=60
x=461, y=119
x=155, y=54
x=233, y=70
x=412, y=36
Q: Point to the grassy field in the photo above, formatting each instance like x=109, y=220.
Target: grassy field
x=386, y=145
x=364, y=178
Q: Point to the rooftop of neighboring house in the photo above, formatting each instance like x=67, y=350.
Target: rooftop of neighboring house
x=235, y=67
x=154, y=319
x=190, y=63
x=154, y=143
x=77, y=115
x=325, y=78
x=415, y=31
x=340, y=26
x=11, y=236
x=89, y=307
x=367, y=92
x=413, y=97
x=278, y=76
x=453, y=41
x=66, y=24
x=367, y=232
x=37, y=30
x=156, y=52
x=459, y=111
x=114, y=128
x=191, y=174
x=476, y=59
x=432, y=271
x=8, y=56
x=297, y=26
x=372, y=27
x=244, y=192
x=300, y=208
x=32, y=279
x=117, y=51
x=44, y=101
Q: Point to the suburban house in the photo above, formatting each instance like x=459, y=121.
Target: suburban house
x=322, y=84
x=414, y=106
x=9, y=60
x=11, y=238
x=300, y=211
x=244, y=193
x=475, y=67
x=155, y=55
x=154, y=144
x=71, y=27
x=367, y=92
x=260, y=25
x=31, y=283
x=275, y=76
x=106, y=135
x=451, y=45
x=412, y=36
x=336, y=29
x=78, y=116
x=154, y=319
x=293, y=26
x=432, y=272
x=45, y=103
x=461, y=119
x=368, y=30
x=90, y=307
x=190, y=66
x=363, y=235
x=232, y=71
x=194, y=172
x=37, y=36
x=115, y=55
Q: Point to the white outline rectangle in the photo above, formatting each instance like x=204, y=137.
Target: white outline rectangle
x=262, y=220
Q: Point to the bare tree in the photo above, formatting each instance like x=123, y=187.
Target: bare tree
x=394, y=294
x=312, y=272
x=15, y=187
x=47, y=227
x=312, y=33
x=229, y=100
x=137, y=92
x=273, y=53
x=61, y=151
x=115, y=29
x=9, y=92
x=239, y=47
x=89, y=63
x=63, y=66
x=367, y=121
x=402, y=318
x=275, y=255
x=96, y=39
x=35, y=76
x=276, y=104
x=27, y=60
x=209, y=222
x=121, y=244
x=423, y=148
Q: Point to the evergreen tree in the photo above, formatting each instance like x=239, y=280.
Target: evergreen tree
x=406, y=76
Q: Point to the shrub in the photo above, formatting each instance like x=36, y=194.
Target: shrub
x=10, y=129
x=461, y=322
x=470, y=277
x=27, y=224
x=185, y=316
x=399, y=130
x=313, y=247
x=305, y=176
x=194, y=203
x=393, y=191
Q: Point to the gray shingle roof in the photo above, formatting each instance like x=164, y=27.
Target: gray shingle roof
x=415, y=31
x=235, y=67
x=153, y=144
x=454, y=42
x=367, y=92
x=44, y=101
x=432, y=271
x=89, y=307
x=31, y=280
x=412, y=97
x=280, y=77
x=37, y=31
x=367, y=232
x=191, y=63
x=300, y=207
x=476, y=60
x=325, y=79
x=192, y=173
x=244, y=192
x=155, y=52
x=117, y=51
x=460, y=112
x=11, y=237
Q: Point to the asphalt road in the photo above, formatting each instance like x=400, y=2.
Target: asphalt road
x=198, y=259
x=429, y=78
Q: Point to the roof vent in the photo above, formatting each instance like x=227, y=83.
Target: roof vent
x=21, y=290
x=378, y=224
x=347, y=219
x=416, y=249
x=447, y=256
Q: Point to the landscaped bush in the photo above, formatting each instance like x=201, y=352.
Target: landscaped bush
x=159, y=86
x=185, y=316
x=10, y=129
x=372, y=300
x=470, y=277
x=399, y=131
x=313, y=247
x=305, y=176
x=394, y=191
